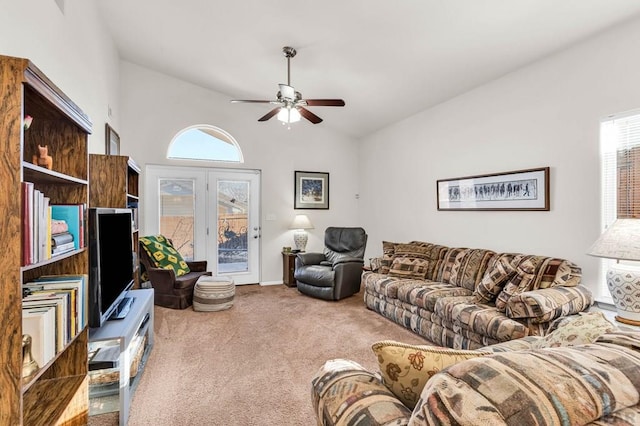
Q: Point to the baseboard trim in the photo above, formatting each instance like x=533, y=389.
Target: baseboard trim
x=271, y=283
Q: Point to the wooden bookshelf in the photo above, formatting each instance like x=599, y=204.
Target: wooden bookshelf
x=57, y=394
x=114, y=182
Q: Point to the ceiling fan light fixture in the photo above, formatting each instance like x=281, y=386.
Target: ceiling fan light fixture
x=289, y=115
x=292, y=105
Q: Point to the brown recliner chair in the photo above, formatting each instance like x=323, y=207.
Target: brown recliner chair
x=171, y=291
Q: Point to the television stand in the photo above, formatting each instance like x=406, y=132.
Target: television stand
x=123, y=308
x=123, y=334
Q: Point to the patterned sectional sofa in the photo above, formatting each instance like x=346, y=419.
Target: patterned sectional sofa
x=514, y=384
x=469, y=298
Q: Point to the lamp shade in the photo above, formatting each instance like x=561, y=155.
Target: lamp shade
x=301, y=221
x=620, y=241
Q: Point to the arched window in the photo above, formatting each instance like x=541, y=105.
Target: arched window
x=205, y=142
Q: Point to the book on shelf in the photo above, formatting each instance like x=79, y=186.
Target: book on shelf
x=36, y=225
x=59, y=302
x=70, y=306
x=27, y=220
x=61, y=282
x=39, y=323
x=61, y=238
x=74, y=216
x=63, y=248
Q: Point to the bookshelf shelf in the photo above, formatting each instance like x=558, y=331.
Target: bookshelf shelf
x=58, y=391
x=53, y=259
x=40, y=174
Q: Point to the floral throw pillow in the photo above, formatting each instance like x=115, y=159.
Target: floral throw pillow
x=583, y=328
x=405, y=369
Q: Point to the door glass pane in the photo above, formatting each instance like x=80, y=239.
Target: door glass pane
x=177, y=210
x=233, y=210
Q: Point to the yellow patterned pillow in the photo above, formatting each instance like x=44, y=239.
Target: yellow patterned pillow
x=162, y=253
x=406, y=368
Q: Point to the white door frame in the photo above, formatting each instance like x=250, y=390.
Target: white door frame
x=204, y=248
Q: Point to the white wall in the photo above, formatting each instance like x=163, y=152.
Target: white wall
x=546, y=114
x=72, y=49
x=155, y=107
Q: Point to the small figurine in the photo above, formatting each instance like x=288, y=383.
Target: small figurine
x=27, y=121
x=29, y=365
x=43, y=159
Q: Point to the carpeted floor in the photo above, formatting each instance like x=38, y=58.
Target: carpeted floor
x=251, y=364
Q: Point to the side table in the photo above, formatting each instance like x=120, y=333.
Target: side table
x=289, y=267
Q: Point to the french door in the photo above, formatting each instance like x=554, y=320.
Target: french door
x=210, y=214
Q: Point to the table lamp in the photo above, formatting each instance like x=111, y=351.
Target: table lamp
x=300, y=237
x=621, y=241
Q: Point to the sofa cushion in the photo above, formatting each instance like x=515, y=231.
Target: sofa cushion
x=536, y=272
x=381, y=284
x=425, y=294
x=427, y=252
x=579, y=329
x=546, y=304
x=499, y=271
x=407, y=267
x=568, y=385
x=406, y=368
x=162, y=253
x=481, y=319
x=521, y=344
x=388, y=252
x=436, y=255
x=464, y=267
x=344, y=393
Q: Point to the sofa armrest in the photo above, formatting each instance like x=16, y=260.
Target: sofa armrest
x=197, y=265
x=310, y=258
x=342, y=383
x=544, y=305
x=162, y=280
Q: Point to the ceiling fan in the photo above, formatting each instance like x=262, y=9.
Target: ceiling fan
x=291, y=106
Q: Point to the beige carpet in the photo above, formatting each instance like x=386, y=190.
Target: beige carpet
x=251, y=364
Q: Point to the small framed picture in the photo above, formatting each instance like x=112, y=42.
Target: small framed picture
x=311, y=190
x=112, y=141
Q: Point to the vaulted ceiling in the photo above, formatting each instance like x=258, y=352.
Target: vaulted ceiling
x=386, y=59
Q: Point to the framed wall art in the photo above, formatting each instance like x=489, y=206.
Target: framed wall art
x=112, y=141
x=311, y=190
x=517, y=190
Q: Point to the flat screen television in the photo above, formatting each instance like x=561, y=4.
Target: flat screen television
x=111, y=264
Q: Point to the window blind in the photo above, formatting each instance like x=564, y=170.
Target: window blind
x=620, y=169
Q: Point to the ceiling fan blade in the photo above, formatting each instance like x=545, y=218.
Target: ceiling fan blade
x=269, y=114
x=325, y=102
x=253, y=101
x=309, y=115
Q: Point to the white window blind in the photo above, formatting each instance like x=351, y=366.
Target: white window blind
x=620, y=168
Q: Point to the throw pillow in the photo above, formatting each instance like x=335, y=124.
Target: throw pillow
x=495, y=278
x=406, y=267
x=535, y=272
x=406, y=368
x=580, y=329
x=162, y=253
x=388, y=251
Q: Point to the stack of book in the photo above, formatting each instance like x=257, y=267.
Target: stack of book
x=62, y=240
x=49, y=229
x=53, y=313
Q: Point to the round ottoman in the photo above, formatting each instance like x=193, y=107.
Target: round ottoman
x=213, y=293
